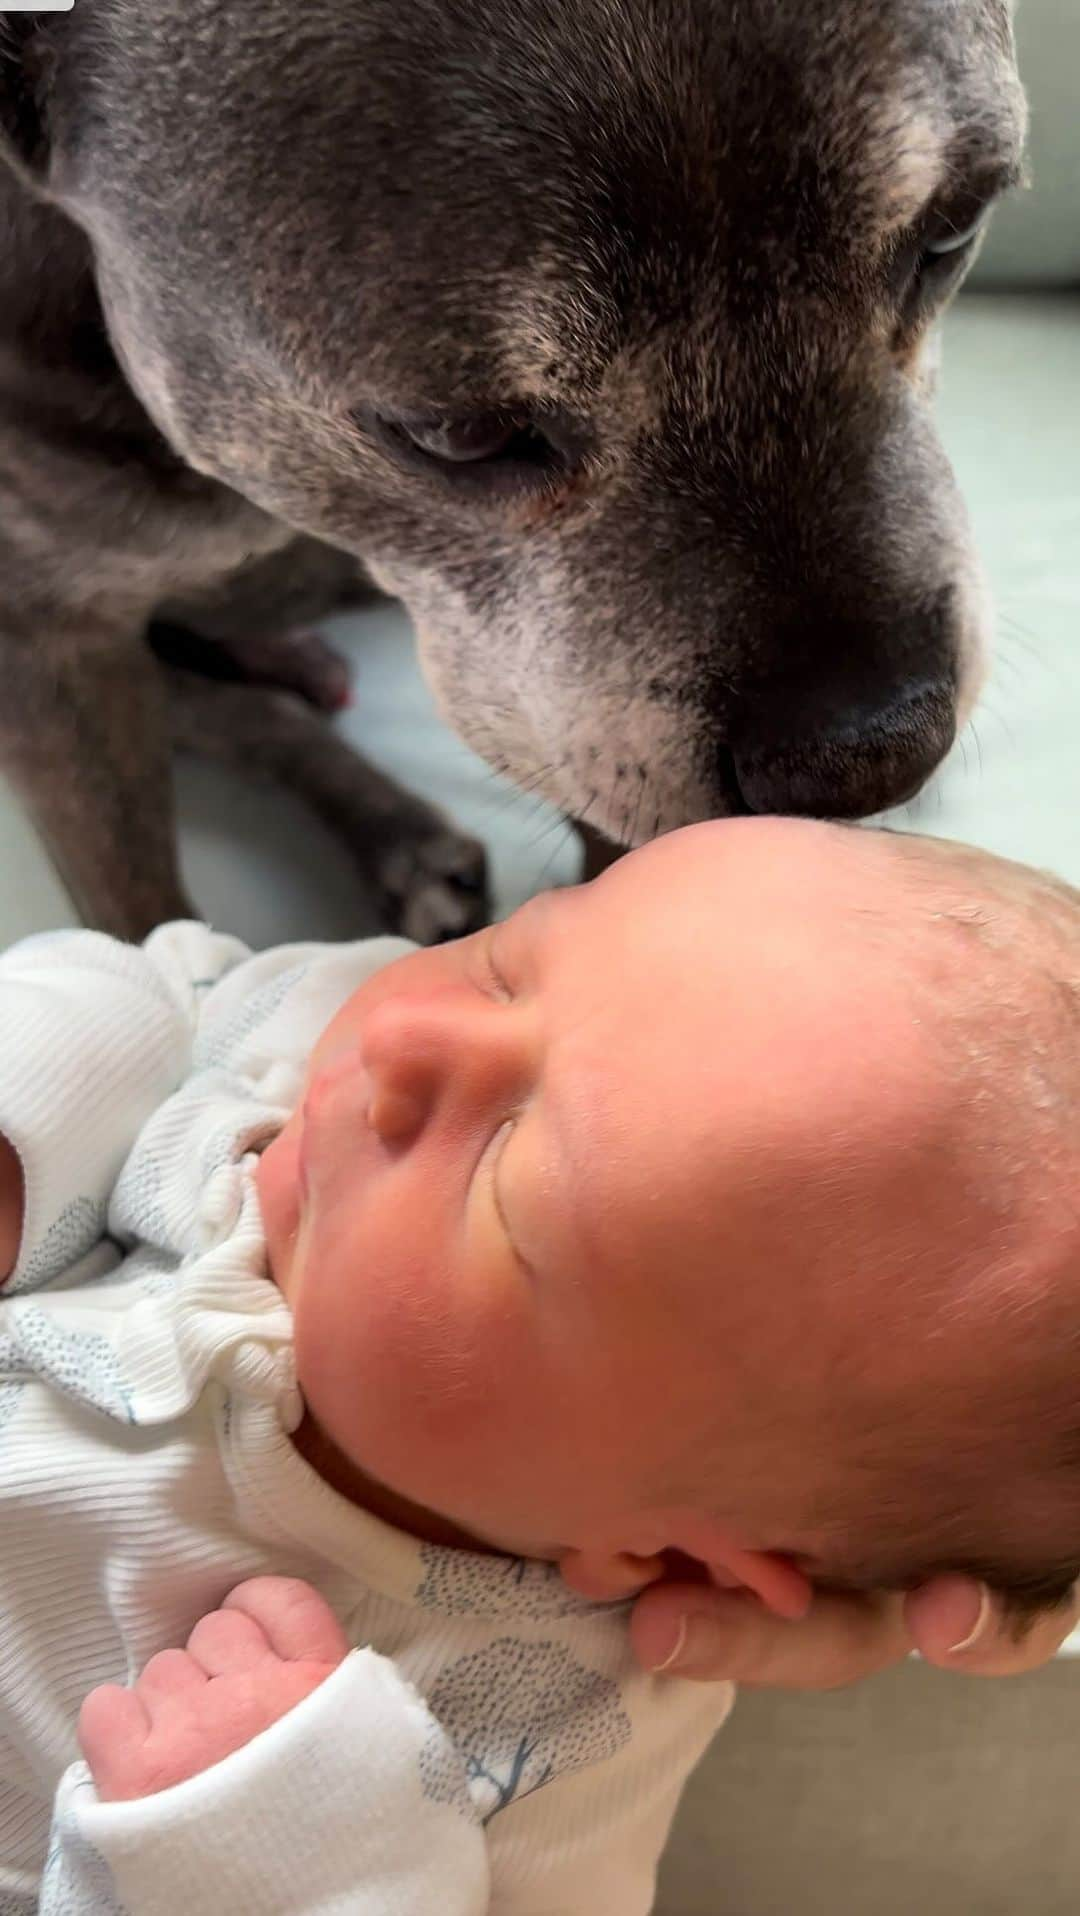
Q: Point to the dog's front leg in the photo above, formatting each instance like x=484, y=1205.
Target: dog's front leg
x=84, y=741
x=427, y=877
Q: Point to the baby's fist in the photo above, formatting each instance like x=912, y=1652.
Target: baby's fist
x=271, y=1644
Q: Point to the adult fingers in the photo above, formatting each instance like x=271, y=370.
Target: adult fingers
x=958, y=1624
x=709, y=1635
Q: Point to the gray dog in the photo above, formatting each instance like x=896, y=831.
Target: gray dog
x=599, y=331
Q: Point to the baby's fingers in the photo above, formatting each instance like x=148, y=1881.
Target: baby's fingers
x=228, y=1642
x=708, y=1635
x=112, y=1730
x=169, y=1678
x=298, y=1623
x=958, y=1624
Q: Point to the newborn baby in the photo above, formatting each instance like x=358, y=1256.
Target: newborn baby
x=748, y=1174
x=724, y=1209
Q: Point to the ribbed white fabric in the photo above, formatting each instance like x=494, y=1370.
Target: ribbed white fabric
x=147, y=1393
x=374, y=1846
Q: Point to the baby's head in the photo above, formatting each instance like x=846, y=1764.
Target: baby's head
x=728, y=1205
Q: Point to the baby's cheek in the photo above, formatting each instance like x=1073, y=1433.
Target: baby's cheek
x=390, y=1357
x=439, y=1347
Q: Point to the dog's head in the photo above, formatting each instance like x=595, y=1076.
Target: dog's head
x=602, y=329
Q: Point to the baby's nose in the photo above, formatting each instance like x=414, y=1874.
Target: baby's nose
x=425, y=1056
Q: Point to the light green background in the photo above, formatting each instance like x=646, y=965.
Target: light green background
x=1036, y=238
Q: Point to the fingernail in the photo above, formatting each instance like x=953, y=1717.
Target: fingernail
x=979, y=1627
x=693, y=1650
x=678, y=1645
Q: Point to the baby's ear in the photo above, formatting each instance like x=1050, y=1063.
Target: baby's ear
x=769, y=1574
x=609, y=1574
x=772, y=1578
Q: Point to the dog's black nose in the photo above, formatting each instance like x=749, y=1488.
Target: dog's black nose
x=853, y=763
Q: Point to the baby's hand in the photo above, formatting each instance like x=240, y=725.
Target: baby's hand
x=271, y=1644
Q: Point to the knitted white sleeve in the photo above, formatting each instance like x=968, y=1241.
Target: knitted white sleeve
x=330, y=1813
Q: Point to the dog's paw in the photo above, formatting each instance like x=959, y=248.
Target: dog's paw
x=291, y=661
x=300, y=662
x=433, y=886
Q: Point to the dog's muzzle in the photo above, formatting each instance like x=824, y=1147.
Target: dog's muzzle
x=859, y=763
x=860, y=723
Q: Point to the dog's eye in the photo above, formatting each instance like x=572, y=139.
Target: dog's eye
x=946, y=243
x=942, y=245
x=500, y=450
x=935, y=256
x=471, y=442
x=947, y=240
x=930, y=259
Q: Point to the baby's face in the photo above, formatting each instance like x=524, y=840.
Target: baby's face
x=489, y=1181
x=554, y=1207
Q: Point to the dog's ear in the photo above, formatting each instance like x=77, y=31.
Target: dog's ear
x=28, y=45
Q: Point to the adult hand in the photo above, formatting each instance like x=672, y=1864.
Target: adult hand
x=692, y=1630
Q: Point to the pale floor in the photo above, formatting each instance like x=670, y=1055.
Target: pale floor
x=915, y=1792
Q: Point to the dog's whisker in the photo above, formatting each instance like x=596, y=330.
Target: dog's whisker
x=642, y=781
x=1003, y=660
x=1028, y=642
x=988, y=710
x=560, y=844
x=978, y=747
x=611, y=804
x=534, y=780
x=557, y=825
x=583, y=815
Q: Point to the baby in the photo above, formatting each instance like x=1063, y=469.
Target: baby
x=726, y=1209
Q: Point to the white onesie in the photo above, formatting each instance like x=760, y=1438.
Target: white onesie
x=489, y=1745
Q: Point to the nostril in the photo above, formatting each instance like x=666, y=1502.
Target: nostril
x=394, y=1114
x=868, y=763
x=400, y=1068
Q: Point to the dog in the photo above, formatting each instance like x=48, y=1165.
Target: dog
x=600, y=332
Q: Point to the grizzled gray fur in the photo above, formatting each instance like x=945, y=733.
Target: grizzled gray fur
x=599, y=331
